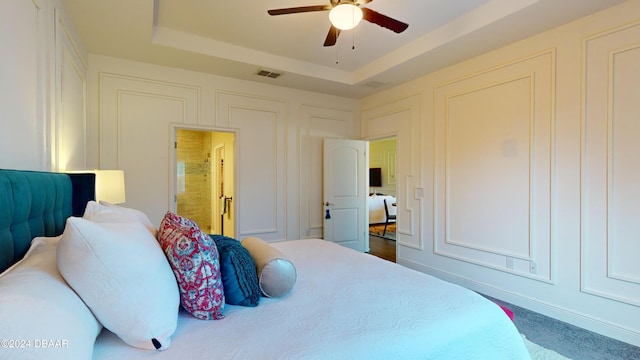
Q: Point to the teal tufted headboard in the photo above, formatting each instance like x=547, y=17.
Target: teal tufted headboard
x=35, y=203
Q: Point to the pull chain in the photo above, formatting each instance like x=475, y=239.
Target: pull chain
x=353, y=39
x=353, y=45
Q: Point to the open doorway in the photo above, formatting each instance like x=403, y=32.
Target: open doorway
x=205, y=162
x=382, y=197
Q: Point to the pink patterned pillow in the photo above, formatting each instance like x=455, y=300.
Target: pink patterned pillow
x=195, y=262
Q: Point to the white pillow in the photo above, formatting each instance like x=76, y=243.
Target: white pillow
x=276, y=274
x=41, y=316
x=121, y=273
x=105, y=212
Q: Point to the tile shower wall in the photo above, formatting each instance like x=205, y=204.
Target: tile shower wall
x=194, y=177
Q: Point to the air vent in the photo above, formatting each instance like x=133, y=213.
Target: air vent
x=268, y=73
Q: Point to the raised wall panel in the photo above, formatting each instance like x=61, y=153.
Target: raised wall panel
x=401, y=119
x=261, y=157
x=493, y=160
x=318, y=123
x=70, y=124
x=487, y=171
x=143, y=150
x=611, y=171
x=22, y=133
x=135, y=116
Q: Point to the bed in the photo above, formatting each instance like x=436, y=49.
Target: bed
x=343, y=305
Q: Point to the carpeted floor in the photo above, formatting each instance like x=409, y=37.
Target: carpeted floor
x=567, y=340
x=377, y=229
x=537, y=352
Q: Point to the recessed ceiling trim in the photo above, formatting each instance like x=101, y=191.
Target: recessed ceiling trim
x=463, y=25
x=200, y=45
x=239, y=37
x=473, y=20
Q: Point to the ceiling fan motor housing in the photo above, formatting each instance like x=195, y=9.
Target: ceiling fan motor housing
x=338, y=2
x=363, y=14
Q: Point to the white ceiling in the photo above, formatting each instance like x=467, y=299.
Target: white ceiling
x=236, y=38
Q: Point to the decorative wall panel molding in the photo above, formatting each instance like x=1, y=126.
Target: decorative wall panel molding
x=318, y=123
x=261, y=124
x=69, y=42
x=611, y=171
x=111, y=88
x=24, y=87
x=70, y=123
x=493, y=146
x=135, y=118
x=401, y=119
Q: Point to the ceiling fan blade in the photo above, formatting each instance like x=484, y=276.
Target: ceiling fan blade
x=384, y=21
x=332, y=36
x=300, y=9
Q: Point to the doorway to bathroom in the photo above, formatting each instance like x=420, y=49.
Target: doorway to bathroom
x=205, y=168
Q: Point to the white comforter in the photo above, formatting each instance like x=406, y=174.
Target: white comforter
x=345, y=305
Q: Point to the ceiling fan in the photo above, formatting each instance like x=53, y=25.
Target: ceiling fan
x=345, y=15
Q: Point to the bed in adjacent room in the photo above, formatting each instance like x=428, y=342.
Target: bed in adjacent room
x=341, y=304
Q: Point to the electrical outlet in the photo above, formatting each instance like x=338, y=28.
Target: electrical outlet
x=509, y=262
x=533, y=268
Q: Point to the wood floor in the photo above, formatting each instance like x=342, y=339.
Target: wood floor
x=382, y=248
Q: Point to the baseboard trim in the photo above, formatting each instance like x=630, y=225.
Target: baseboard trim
x=551, y=310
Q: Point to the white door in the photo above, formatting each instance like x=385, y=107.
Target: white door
x=345, y=187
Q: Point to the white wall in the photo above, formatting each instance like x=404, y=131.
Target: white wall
x=22, y=138
x=42, y=88
x=528, y=171
x=134, y=109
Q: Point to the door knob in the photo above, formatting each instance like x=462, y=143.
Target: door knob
x=328, y=203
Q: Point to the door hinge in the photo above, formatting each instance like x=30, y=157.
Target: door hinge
x=175, y=144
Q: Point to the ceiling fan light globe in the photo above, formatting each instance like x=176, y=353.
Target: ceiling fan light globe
x=345, y=16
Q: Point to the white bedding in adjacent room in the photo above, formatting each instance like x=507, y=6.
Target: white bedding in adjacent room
x=344, y=305
x=376, y=208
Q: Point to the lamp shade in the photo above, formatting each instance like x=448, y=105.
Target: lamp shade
x=345, y=16
x=109, y=185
